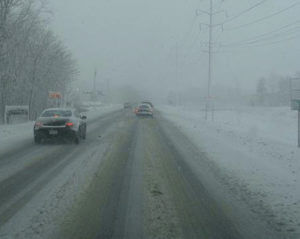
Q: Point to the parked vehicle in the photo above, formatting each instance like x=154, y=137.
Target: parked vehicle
x=127, y=105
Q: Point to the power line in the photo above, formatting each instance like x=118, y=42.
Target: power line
x=267, y=35
x=233, y=17
x=281, y=28
x=262, y=18
x=273, y=37
x=264, y=36
x=244, y=12
x=297, y=36
x=254, y=41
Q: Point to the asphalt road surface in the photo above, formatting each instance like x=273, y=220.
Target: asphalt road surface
x=144, y=182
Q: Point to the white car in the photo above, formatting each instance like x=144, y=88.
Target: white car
x=57, y=123
x=144, y=110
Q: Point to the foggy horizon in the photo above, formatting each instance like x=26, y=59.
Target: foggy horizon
x=134, y=43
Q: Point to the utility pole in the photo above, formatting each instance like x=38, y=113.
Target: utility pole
x=176, y=61
x=210, y=26
x=94, y=85
x=176, y=65
x=295, y=100
x=209, y=106
x=108, y=96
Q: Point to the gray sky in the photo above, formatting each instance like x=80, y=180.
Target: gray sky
x=133, y=41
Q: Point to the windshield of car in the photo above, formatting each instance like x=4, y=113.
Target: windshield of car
x=148, y=103
x=144, y=107
x=57, y=113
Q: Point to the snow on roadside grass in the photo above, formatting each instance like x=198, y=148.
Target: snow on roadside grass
x=17, y=134
x=11, y=135
x=256, y=150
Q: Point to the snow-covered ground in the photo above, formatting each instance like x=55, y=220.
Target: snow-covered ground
x=256, y=149
x=15, y=134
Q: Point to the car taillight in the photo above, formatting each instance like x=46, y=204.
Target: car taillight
x=69, y=124
x=38, y=124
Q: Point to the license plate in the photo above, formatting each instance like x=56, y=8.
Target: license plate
x=53, y=132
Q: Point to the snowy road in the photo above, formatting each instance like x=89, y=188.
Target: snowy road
x=131, y=178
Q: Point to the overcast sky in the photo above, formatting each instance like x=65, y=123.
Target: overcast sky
x=134, y=41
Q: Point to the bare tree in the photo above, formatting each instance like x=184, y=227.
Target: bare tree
x=32, y=60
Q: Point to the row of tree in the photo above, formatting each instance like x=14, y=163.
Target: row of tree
x=272, y=91
x=32, y=59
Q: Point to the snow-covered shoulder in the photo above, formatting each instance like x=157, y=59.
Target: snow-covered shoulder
x=256, y=149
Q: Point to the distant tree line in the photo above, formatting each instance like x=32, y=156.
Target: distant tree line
x=33, y=61
x=272, y=91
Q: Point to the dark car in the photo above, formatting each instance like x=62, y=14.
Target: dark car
x=127, y=105
x=60, y=123
x=144, y=110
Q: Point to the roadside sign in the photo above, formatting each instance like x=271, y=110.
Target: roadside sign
x=55, y=95
x=295, y=104
x=54, y=99
x=295, y=100
x=295, y=93
x=15, y=113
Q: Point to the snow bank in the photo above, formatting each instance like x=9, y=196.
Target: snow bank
x=256, y=150
x=12, y=135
